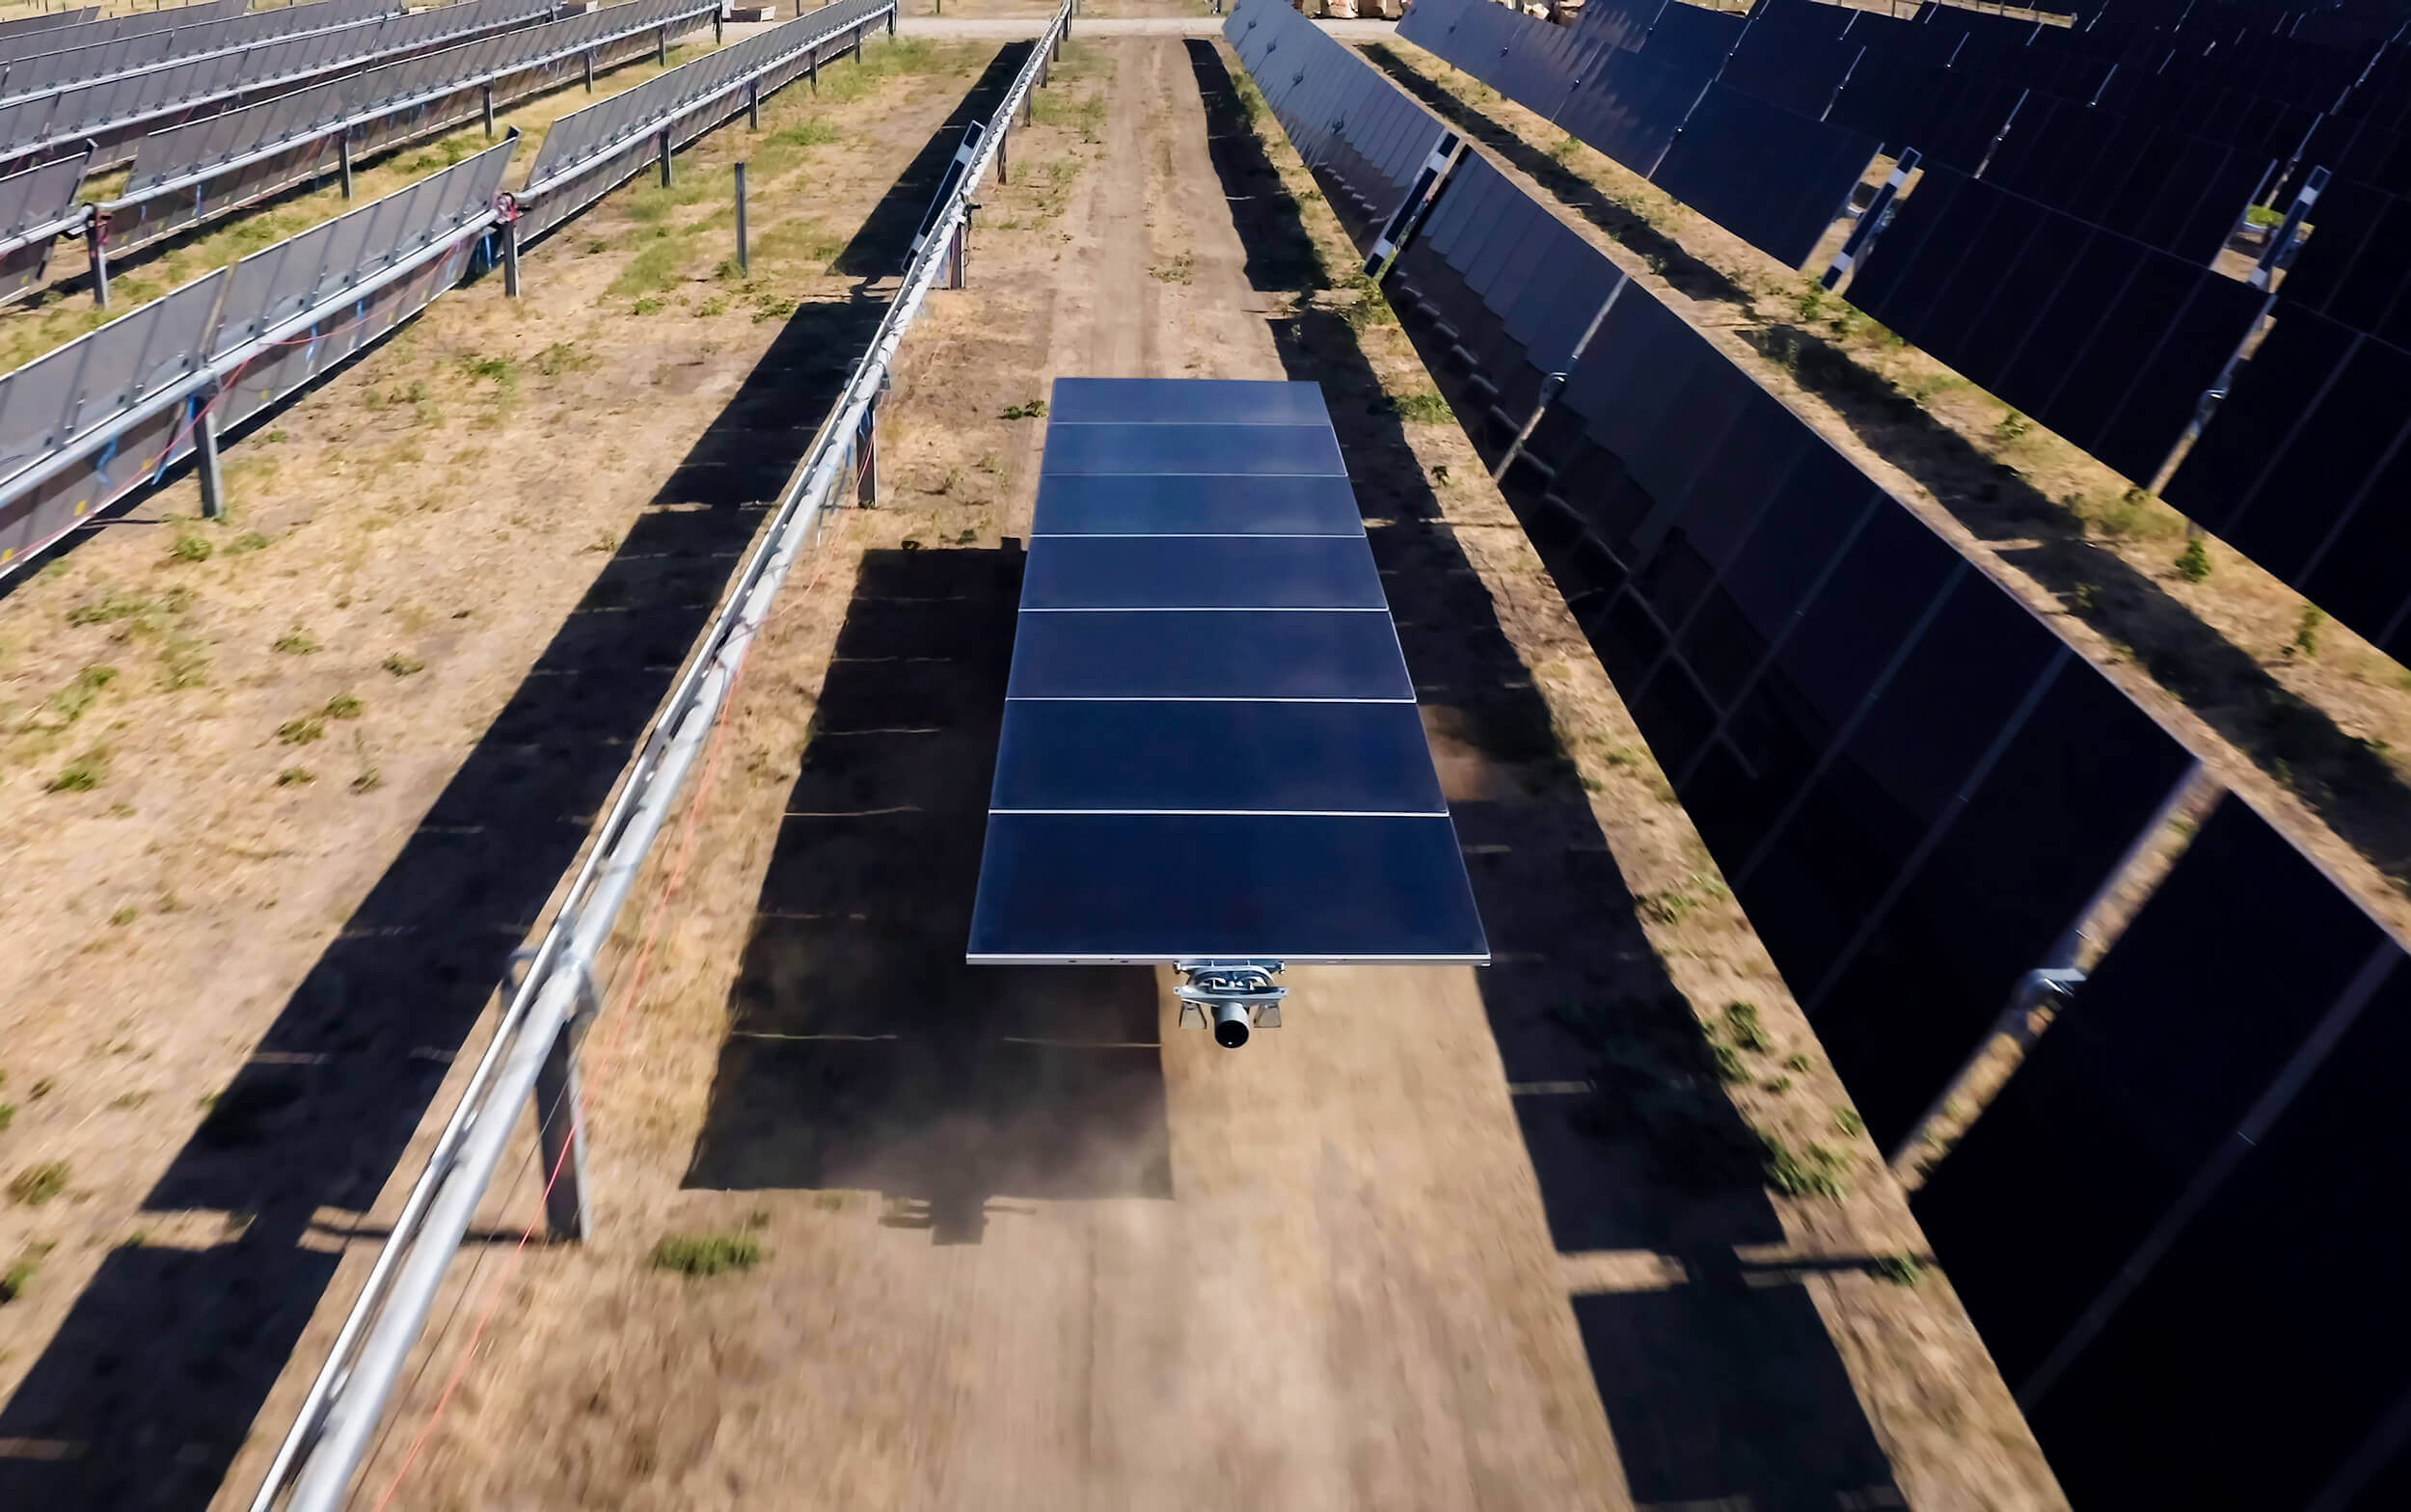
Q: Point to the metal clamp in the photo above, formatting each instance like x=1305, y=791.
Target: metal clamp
x=1229, y=996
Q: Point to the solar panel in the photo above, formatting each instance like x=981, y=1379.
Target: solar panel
x=1210, y=747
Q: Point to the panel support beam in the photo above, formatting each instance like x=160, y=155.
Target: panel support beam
x=743, y=262
x=205, y=454
x=96, y=247
x=560, y=1130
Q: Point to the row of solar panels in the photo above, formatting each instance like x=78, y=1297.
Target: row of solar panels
x=112, y=116
x=194, y=172
x=49, y=21
x=49, y=61
x=1916, y=790
x=26, y=38
x=190, y=173
x=108, y=413
x=105, y=415
x=2070, y=281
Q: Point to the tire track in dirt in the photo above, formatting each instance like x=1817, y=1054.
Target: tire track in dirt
x=1118, y=338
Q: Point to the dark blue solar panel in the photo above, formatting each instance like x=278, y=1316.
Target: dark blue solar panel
x=1100, y=572
x=1197, y=504
x=1152, y=887
x=1210, y=744
x=1260, y=757
x=1160, y=449
x=1186, y=400
x=1208, y=653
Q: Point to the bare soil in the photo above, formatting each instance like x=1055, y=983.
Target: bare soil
x=1450, y=1238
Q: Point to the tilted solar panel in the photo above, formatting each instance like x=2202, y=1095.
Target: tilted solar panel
x=1774, y=179
x=1210, y=746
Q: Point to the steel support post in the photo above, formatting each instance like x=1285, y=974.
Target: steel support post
x=560, y=1117
x=813, y=70
x=718, y=36
x=660, y=46
x=957, y=275
x=205, y=456
x=509, y=232
x=866, y=456
x=744, y=263
x=95, y=245
x=753, y=106
x=663, y=142
x=892, y=21
x=1004, y=156
x=489, y=112
x=589, y=70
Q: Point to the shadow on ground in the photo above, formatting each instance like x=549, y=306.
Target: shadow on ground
x=1722, y=1391
x=877, y=249
x=863, y=1052
x=151, y=1384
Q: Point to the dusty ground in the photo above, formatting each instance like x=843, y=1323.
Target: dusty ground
x=1451, y=1238
x=2296, y=711
x=340, y=762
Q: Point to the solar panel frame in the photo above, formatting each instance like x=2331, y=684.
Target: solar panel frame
x=1210, y=743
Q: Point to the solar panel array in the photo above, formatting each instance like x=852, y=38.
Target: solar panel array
x=113, y=116
x=1911, y=783
x=589, y=151
x=1210, y=747
x=51, y=60
x=28, y=40
x=1369, y=140
x=2189, y=1183
x=2077, y=187
x=2105, y=341
x=2175, y=1227
x=49, y=23
x=190, y=173
x=35, y=205
x=1772, y=176
x=1511, y=288
x=106, y=414
x=2089, y=197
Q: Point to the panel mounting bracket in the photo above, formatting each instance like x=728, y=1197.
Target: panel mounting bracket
x=1224, y=995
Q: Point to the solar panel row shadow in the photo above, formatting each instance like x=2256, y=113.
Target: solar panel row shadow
x=1210, y=744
